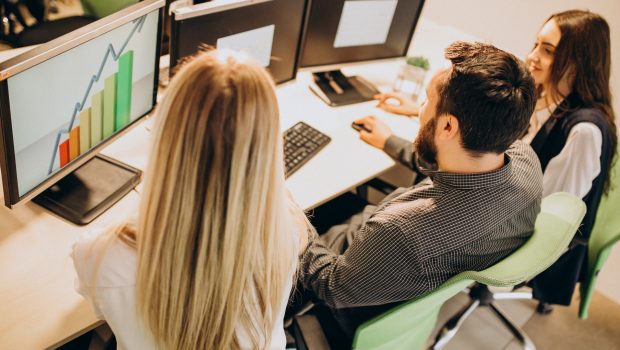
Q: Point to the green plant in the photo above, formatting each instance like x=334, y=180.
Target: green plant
x=418, y=61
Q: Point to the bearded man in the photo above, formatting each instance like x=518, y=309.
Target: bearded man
x=477, y=205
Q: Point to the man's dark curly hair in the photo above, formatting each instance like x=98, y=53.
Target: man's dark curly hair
x=490, y=92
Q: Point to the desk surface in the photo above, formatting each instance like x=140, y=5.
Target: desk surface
x=38, y=303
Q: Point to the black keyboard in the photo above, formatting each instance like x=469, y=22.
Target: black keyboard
x=301, y=142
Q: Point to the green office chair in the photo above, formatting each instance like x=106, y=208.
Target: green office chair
x=408, y=326
x=100, y=9
x=605, y=233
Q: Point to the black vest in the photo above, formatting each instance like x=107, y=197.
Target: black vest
x=556, y=285
x=551, y=138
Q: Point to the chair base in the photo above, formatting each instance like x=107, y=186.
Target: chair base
x=481, y=296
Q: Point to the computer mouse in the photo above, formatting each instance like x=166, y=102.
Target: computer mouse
x=359, y=127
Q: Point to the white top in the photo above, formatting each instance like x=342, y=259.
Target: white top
x=577, y=164
x=112, y=293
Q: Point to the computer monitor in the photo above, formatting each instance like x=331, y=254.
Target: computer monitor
x=268, y=30
x=63, y=101
x=351, y=31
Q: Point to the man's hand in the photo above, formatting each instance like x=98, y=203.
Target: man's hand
x=377, y=134
x=397, y=104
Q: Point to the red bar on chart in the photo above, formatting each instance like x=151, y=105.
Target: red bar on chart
x=63, y=150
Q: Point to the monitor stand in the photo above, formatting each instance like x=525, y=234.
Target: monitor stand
x=336, y=89
x=90, y=190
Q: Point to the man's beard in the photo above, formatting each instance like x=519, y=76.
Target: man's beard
x=424, y=145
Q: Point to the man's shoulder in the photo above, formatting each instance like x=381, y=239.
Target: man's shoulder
x=408, y=216
x=410, y=203
x=520, y=149
x=526, y=164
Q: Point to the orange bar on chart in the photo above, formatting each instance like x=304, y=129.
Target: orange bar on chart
x=63, y=150
x=74, y=143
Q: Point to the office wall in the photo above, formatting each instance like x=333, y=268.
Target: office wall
x=512, y=25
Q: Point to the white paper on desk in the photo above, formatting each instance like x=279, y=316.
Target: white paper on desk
x=365, y=22
x=256, y=42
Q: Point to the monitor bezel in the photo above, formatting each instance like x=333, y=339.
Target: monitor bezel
x=203, y=9
x=188, y=12
x=335, y=65
x=49, y=50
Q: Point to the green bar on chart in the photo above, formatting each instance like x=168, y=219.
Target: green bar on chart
x=109, y=105
x=96, y=118
x=85, y=130
x=123, y=90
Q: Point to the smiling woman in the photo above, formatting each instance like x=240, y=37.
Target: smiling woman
x=572, y=130
x=540, y=59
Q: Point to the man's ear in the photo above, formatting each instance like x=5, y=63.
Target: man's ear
x=447, y=127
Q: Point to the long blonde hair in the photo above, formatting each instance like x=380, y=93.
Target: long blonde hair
x=217, y=236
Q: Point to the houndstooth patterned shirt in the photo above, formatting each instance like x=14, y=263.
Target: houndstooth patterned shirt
x=419, y=237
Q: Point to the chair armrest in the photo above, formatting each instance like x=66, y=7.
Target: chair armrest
x=309, y=334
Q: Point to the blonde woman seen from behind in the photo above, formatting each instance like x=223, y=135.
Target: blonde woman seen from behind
x=211, y=261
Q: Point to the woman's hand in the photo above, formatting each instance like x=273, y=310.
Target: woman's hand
x=397, y=104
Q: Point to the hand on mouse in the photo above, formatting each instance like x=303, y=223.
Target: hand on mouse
x=397, y=104
x=378, y=132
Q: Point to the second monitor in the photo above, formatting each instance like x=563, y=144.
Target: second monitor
x=349, y=31
x=268, y=30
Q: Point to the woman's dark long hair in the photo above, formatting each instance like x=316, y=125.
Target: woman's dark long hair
x=584, y=54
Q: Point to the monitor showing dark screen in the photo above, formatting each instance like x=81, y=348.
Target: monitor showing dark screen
x=268, y=30
x=346, y=31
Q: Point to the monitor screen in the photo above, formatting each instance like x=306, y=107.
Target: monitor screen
x=268, y=30
x=65, y=107
x=346, y=31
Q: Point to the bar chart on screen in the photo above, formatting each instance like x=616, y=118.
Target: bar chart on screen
x=91, y=93
x=109, y=110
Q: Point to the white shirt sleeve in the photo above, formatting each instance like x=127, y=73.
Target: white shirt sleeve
x=83, y=260
x=578, y=164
